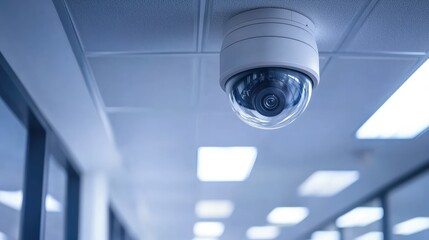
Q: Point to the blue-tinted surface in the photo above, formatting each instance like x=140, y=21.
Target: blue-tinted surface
x=13, y=137
x=55, y=217
x=374, y=227
x=409, y=201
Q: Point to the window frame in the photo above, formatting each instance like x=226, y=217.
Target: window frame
x=42, y=142
x=381, y=194
x=117, y=230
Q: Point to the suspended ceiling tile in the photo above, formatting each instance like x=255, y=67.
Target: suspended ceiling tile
x=331, y=18
x=351, y=90
x=394, y=26
x=150, y=82
x=137, y=132
x=143, y=26
x=158, y=149
x=211, y=98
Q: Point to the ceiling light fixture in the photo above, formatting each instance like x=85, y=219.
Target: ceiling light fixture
x=403, y=115
x=287, y=215
x=411, y=226
x=264, y=232
x=360, y=217
x=208, y=229
x=214, y=208
x=371, y=236
x=225, y=163
x=325, y=235
x=327, y=183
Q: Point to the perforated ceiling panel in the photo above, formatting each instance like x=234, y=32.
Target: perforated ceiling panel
x=394, y=26
x=134, y=25
x=150, y=82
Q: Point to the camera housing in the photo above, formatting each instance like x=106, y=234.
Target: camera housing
x=269, y=65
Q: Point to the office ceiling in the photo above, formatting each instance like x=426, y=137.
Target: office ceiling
x=156, y=67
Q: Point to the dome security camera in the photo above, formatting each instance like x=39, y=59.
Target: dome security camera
x=269, y=64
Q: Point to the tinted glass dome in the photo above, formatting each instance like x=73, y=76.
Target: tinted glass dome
x=269, y=98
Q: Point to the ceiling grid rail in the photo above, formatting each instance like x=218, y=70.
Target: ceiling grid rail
x=353, y=29
x=201, y=23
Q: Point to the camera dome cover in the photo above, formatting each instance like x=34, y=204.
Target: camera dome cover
x=269, y=98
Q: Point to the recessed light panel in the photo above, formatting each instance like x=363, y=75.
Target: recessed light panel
x=411, y=226
x=325, y=235
x=208, y=229
x=214, y=209
x=225, y=163
x=287, y=215
x=404, y=115
x=327, y=183
x=360, y=217
x=12, y=199
x=265, y=232
x=371, y=236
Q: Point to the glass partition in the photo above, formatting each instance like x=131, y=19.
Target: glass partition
x=400, y=211
x=409, y=210
x=363, y=222
x=13, y=138
x=26, y=174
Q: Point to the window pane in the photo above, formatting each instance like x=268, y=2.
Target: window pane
x=363, y=223
x=13, y=138
x=409, y=210
x=55, y=201
x=115, y=226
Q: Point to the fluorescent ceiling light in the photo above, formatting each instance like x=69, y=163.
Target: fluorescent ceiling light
x=225, y=163
x=404, y=115
x=371, y=236
x=327, y=183
x=360, y=217
x=214, y=209
x=13, y=199
x=325, y=235
x=411, y=226
x=266, y=232
x=208, y=229
x=287, y=215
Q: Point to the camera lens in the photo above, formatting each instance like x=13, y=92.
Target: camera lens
x=269, y=101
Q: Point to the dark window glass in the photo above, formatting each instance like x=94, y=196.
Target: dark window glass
x=365, y=222
x=409, y=210
x=13, y=138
